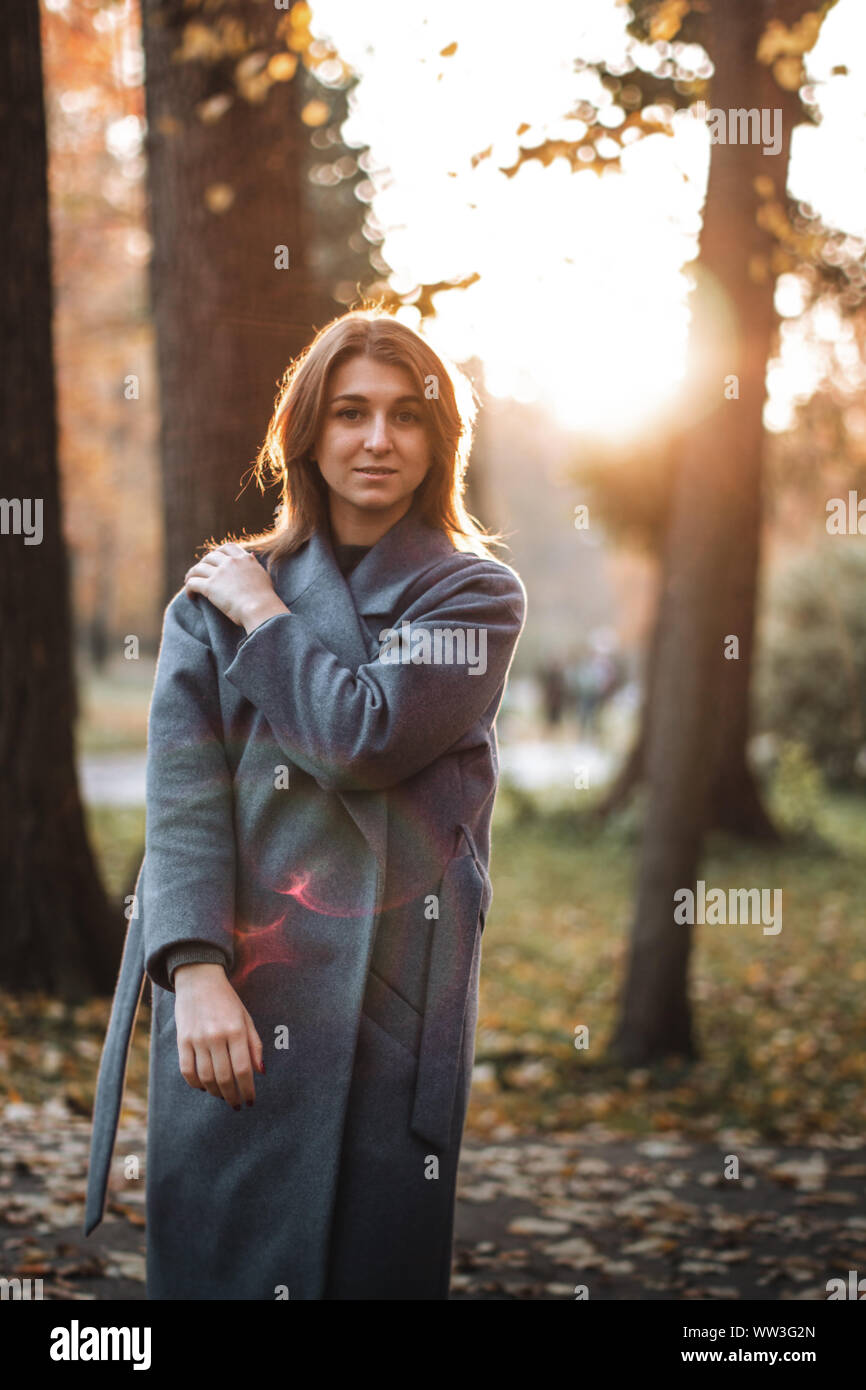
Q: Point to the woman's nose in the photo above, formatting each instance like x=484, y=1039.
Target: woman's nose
x=378, y=439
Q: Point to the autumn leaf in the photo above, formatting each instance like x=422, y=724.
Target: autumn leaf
x=667, y=19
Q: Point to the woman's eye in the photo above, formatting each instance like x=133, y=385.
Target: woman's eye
x=352, y=413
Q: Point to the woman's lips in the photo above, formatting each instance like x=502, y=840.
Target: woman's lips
x=376, y=472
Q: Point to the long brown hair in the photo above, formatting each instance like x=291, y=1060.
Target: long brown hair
x=285, y=455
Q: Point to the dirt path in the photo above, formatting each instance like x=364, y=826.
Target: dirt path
x=627, y=1219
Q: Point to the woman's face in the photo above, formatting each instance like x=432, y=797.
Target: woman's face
x=373, y=448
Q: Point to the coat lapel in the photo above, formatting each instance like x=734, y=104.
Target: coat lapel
x=407, y=549
x=311, y=582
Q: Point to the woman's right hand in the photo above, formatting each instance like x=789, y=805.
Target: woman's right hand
x=217, y=1043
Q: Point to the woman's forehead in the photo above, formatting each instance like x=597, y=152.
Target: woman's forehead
x=365, y=376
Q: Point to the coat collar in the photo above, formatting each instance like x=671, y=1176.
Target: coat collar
x=311, y=583
x=375, y=584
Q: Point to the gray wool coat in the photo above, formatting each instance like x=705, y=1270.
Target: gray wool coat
x=318, y=807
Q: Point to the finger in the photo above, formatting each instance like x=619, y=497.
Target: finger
x=188, y=1069
x=242, y=1066
x=204, y=1068
x=196, y=573
x=257, y=1051
x=225, y=1077
x=219, y=554
x=203, y=566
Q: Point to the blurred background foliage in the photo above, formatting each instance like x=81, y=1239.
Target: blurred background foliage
x=811, y=672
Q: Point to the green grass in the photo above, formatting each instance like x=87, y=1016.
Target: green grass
x=117, y=835
x=779, y=1021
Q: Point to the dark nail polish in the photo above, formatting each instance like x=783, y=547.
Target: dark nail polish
x=250, y=1104
x=236, y=1107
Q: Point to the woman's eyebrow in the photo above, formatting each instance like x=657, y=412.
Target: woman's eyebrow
x=353, y=396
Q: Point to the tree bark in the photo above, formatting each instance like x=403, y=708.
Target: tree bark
x=57, y=934
x=227, y=180
x=699, y=701
x=735, y=802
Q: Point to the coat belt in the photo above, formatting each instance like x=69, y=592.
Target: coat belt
x=463, y=899
x=112, y=1070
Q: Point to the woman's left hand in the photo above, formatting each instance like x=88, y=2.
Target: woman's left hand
x=235, y=583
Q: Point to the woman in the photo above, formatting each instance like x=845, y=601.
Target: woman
x=322, y=763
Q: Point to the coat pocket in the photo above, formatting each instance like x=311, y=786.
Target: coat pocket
x=392, y=1013
x=162, y=1006
x=486, y=886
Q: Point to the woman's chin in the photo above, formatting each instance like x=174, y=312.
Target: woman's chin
x=376, y=499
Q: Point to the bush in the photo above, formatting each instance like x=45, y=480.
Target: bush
x=797, y=790
x=811, y=670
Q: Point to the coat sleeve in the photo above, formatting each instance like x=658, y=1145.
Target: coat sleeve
x=189, y=892
x=193, y=953
x=370, y=728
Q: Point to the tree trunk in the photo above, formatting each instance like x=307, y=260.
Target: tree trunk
x=57, y=934
x=633, y=772
x=699, y=698
x=735, y=802
x=227, y=178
